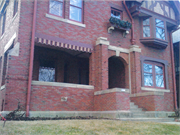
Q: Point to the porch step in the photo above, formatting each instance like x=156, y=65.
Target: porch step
x=148, y=119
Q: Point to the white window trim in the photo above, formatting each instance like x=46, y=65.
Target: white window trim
x=65, y=20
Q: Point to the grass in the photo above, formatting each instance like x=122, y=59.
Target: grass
x=86, y=127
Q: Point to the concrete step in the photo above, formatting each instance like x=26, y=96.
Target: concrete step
x=148, y=119
x=139, y=116
x=136, y=110
x=131, y=103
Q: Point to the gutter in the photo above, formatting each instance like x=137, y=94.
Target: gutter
x=173, y=68
x=132, y=21
x=31, y=59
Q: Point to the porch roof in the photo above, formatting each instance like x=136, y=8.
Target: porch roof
x=62, y=43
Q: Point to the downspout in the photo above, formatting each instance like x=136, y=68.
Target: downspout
x=31, y=59
x=132, y=21
x=173, y=68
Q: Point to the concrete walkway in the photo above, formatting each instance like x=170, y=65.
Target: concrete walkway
x=177, y=123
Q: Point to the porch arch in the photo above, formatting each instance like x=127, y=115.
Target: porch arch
x=118, y=72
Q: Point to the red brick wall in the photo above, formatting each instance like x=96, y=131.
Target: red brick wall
x=112, y=102
x=150, y=103
x=48, y=98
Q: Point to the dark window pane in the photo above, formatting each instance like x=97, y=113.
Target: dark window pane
x=115, y=14
x=147, y=68
x=55, y=7
x=146, y=22
x=148, y=79
x=47, y=74
x=160, y=33
x=146, y=31
x=159, y=81
x=159, y=70
x=77, y=3
x=75, y=13
x=159, y=23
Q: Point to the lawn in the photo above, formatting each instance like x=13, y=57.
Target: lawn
x=86, y=127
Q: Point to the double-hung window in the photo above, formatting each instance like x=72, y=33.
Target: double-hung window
x=160, y=30
x=153, y=74
x=75, y=10
x=56, y=7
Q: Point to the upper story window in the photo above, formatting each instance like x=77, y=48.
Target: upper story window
x=75, y=10
x=153, y=74
x=160, y=30
x=154, y=33
x=116, y=13
x=3, y=22
x=56, y=7
x=146, y=28
x=15, y=7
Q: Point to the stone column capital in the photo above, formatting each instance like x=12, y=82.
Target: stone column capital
x=102, y=41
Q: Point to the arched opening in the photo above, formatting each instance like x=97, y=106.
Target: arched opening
x=117, y=73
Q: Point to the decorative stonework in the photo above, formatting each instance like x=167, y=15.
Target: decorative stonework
x=102, y=40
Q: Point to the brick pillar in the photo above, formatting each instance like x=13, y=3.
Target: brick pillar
x=101, y=64
x=135, y=69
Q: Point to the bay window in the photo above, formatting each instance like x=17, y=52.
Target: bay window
x=160, y=31
x=154, y=33
x=146, y=28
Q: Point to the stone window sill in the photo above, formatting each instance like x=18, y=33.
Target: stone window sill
x=70, y=85
x=65, y=20
x=154, y=89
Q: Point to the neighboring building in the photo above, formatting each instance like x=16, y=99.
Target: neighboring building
x=74, y=56
x=176, y=44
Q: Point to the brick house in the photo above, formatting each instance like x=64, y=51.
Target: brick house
x=176, y=44
x=75, y=57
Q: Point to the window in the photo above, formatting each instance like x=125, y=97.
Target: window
x=153, y=74
x=153, y=33
x=4, y=68
x=47, y=71
x=75, y=12
x=15, y=7
x=116, y=13
x=56, y=7
x=160, y=31
x=3, y=22
x=146, y=28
